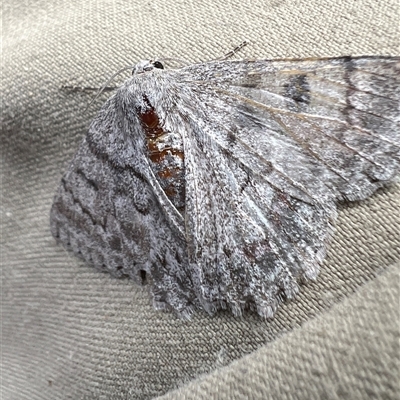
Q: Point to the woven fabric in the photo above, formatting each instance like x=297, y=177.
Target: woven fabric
x=68, y=331
x=350, y=352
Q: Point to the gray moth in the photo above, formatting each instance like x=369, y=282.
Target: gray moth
x=218, y=182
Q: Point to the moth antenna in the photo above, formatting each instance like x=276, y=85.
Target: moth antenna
x=73, y=88
x=234, y=51
x=105, y=86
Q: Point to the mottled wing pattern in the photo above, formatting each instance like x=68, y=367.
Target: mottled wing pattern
x=106, y=212
x=345, y=112
x=271, y=147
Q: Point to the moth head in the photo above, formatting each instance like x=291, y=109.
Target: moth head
x=146, y=66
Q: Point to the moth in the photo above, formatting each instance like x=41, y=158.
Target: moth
x=217, y=183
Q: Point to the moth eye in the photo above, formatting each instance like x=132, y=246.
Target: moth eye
x=158, y=65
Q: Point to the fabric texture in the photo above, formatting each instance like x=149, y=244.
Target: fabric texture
x=68, y=331
x=342, y=354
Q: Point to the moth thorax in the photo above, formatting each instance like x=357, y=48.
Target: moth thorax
x=166, y=156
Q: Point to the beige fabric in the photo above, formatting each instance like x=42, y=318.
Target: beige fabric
x=68, y=331
x=344, y=353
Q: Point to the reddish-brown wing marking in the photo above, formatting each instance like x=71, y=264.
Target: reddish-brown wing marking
x=166, y=156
